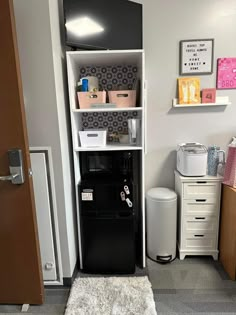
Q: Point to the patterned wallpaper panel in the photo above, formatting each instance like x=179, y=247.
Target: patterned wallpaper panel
x=114, y=122
x=115, y=77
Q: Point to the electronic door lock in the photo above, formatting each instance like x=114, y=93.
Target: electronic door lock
x=16, y=167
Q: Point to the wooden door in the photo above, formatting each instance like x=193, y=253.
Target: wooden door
x=20, y=267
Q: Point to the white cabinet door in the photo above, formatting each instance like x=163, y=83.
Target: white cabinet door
x=43, y=211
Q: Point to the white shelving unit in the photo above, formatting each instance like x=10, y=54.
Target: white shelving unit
x=78, y=60
x=220, y=101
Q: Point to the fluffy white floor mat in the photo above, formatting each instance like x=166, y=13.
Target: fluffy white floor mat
x=111, y=296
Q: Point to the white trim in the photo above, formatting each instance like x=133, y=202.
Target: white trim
x=55, y=216
x=110, y=52
x=113, y=109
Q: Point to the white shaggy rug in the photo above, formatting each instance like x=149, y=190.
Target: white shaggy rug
x=111, y=296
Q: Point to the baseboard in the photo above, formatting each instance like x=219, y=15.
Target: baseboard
x=67, y=282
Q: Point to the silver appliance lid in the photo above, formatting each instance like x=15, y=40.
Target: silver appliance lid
x=193, y=148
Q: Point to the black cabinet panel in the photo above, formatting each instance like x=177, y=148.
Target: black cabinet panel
x=108, y=244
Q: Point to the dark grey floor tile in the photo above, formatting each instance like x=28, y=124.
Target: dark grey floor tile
x=57, y=296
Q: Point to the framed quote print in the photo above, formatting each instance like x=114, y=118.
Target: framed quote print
x=226, y=73
x=196, y=56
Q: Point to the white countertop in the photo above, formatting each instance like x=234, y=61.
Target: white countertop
x=199, y=178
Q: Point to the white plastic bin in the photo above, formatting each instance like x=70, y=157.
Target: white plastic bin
x=93, y=138
x=161, y=224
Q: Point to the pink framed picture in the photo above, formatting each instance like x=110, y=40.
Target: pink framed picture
x=226, y=73
x=208, y=95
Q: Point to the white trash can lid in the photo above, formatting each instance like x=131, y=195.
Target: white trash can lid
x=161, y=194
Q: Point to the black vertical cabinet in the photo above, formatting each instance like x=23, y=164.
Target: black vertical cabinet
x=109, y=245
x=109, y=213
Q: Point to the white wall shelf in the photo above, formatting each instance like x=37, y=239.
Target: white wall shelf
x=220, y=101
x=126, y=109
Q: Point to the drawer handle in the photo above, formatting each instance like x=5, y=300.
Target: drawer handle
x=198, y=235
x=201, y=182
x=200, y=218
x=200, y=200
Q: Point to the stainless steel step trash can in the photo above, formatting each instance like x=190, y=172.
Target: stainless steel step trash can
x=161, y=224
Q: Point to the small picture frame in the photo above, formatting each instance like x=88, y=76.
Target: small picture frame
x=209, y=95
x=189, y=90
x=196, y=56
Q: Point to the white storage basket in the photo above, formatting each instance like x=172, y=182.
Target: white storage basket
x=93, y=138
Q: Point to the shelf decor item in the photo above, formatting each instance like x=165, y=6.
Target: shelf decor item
x=86, y=99
x=226, y=73
x=93, y=138
x=208, y=95
x=189, y=90
x=123, y=98
x=196, y=56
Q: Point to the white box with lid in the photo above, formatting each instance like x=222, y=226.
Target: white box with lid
x=192, y=159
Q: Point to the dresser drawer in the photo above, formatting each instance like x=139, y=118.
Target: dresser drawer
x=197, y=223
x=201, y=207
x=200, y=241
x=201, y=189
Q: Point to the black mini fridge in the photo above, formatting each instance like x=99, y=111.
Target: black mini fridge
x=107, y=226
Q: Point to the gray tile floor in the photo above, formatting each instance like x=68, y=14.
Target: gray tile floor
x=192, y=286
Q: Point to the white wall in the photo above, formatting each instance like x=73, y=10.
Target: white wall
x=41, y=61
x=165, y=24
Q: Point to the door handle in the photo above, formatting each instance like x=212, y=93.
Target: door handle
x=15, y=167
x=8, y=177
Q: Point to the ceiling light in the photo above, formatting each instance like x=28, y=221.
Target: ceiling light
x=84, y=26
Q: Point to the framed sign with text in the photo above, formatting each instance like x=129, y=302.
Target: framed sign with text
x=196, y=56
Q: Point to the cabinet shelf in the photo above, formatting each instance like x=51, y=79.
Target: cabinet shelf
x=220, y=101
x=91, y=110
x=110, y=147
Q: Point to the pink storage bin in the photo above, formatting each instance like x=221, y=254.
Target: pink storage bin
x=123, y=98
x=87, y=98
x=230, y=168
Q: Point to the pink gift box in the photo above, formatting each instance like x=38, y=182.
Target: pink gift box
x=230, y=168
x=123, y=98
x=87, y=98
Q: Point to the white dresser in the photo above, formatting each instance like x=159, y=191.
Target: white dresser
x=198, y=214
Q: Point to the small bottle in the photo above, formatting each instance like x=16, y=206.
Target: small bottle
x=85, y=85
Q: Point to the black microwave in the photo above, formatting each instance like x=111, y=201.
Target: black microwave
x=110, y=165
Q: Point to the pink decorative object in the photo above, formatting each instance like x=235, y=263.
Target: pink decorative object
x=123, y=98
x=230, y=168
x=208, y=95
x=226, y=73
x=87, y=98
